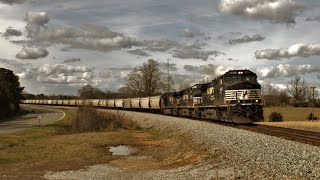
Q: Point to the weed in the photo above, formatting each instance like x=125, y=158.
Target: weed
x=276, y=117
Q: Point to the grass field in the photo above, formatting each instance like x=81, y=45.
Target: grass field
x=294, y=117
x=291, y=113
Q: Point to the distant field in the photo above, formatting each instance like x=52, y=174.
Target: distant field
x=291, y=113
x=294, y=117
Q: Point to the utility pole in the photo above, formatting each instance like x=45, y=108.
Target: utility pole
x=312, y=87
x=168, y=75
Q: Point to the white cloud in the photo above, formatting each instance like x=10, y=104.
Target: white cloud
x=246, y=39
x=138, y=52
x=71, y=60
x=286, y=70
x=279, y=11
x=296, y=50
x=189, y=53
x=187, y=33
x=12, y=32
x=12, y=1
x=35, y=21
x=38, y=18
x=27, y=53
x=60, y=74
x=88, y=36
x=210, y=69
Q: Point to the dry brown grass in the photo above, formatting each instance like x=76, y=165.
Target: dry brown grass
x=88, y=119
x=302, y=125
x=31, y=153
x=291, y=113
x=294, y=117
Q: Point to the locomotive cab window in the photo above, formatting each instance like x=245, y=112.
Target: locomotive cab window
x=210, y=90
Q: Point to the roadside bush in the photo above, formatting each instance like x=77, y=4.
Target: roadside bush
x=312, y=117
x=276, y=117
x=88, y=119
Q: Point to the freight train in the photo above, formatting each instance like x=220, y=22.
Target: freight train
x=234, y=97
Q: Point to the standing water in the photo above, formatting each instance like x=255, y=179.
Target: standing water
x=122, y=150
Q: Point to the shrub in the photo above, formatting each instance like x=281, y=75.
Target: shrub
x=312, y=117
x=88, y=119
x=276, y=117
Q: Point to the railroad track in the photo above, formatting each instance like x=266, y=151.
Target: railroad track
x=308, y=137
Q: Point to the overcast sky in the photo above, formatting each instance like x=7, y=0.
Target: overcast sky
x=59, y=46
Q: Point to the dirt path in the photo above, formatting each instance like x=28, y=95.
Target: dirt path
x=45, y=114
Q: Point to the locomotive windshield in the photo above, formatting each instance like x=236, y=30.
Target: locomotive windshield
x=239, y=78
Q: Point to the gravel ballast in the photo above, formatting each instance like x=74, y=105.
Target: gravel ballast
x=246, y=154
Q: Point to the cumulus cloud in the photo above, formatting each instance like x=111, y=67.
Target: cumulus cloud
x=60, y=74
x=279, y=11
x=12, y=1
x=161, y=45
x=14, y=65
x=164, y=66
x=313, y=19
x=12, y=32
x=231, y=59
x=35, y=21
x=88, y=36
x=71, y=60
x=95, y=37
x=64, y=74
x=246, y=39
x=210, y=69
x=138, y=52
x=296, y=50
x=38, y=18
x=187, y=53
x=187, y=33
x=286, y=70
x=27, y=53
x=120, y=74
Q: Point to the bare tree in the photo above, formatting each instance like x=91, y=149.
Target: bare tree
x=297, y=88
x=89, y=92
x=283, y=97
x=146, y=80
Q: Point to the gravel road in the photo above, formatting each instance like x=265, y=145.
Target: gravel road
x=247, y=155
x=45, y=114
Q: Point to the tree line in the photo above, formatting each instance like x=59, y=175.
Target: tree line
x=10, y=93
x=297, y=93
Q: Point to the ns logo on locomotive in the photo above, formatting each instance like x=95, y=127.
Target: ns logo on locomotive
x=232, y=97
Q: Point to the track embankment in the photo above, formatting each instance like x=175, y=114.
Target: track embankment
x=242, y=154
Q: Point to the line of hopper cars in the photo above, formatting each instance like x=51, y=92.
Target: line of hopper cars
x=148, y=103
x=232, y=97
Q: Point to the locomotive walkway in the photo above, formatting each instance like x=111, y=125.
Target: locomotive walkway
x=42, y=114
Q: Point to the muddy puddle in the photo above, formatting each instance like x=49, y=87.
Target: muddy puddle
x=122, y=150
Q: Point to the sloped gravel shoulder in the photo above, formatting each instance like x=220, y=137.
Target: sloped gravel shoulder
x=250, y=155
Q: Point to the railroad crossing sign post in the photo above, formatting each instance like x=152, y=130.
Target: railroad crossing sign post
x=39, y=118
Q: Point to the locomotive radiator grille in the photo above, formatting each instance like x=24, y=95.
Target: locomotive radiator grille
x=244, y=94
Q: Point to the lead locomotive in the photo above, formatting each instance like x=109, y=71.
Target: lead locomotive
x=232, y=97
